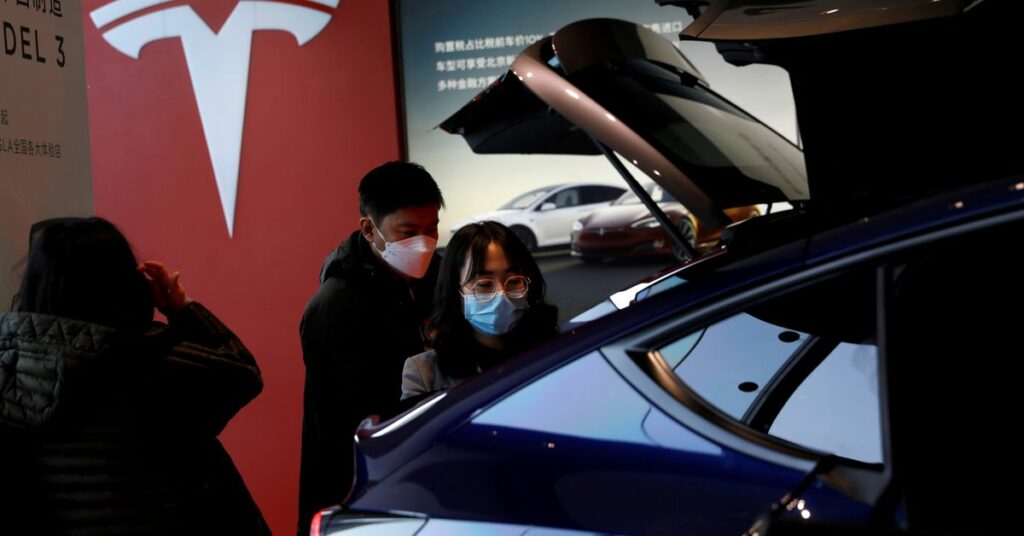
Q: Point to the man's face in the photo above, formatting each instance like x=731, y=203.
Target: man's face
x=403, y=223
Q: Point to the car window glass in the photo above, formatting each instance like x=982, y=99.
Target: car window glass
x=599, y=194
x=836, y=408
x=802, y=367
x=524, y=200
x=708, y=138
x=566, y=198
x=733, y=360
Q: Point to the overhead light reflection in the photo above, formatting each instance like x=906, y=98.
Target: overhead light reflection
x=831, y=11
x=408, y=416
x=656, y=172
x=572, y=93
x=1019, y=186
x=529, y=74
x=609, y=116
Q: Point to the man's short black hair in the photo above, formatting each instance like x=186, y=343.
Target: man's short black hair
x=394, y=186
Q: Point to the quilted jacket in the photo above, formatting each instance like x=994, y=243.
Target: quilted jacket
x=107, y=432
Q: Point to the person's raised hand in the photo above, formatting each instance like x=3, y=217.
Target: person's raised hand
x=168, y=293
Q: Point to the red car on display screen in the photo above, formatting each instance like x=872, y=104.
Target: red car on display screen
x=628, y=229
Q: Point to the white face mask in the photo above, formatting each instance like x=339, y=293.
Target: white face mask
x=411, y=256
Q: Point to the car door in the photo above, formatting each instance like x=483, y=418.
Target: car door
x=553, y=217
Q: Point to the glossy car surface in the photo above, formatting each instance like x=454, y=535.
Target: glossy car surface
x=692, y=411
x=544, y=216
x=848, y=364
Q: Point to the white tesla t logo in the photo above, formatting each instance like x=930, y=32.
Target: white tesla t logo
x=218, y=63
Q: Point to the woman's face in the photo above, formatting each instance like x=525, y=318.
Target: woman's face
x=495, y=268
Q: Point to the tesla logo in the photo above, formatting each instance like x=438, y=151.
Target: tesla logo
x=217, y=56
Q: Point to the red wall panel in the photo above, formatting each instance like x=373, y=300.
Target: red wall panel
x=317, y=118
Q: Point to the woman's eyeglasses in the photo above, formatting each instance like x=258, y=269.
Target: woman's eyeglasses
x=485, y=289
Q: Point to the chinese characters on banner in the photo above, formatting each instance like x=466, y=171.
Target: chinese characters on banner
x=29, y=148
x=495, y=54
x=25, y=41
x=40, y=6
x=45, y=166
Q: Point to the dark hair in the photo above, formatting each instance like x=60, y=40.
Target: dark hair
x=84, y=268
x=394, y=186
x=449, y=328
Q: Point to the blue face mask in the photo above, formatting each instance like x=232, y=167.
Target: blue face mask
x=497, y=316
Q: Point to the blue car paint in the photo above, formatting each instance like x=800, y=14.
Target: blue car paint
x=591, y=455
x=452, y=462
x=943, y=211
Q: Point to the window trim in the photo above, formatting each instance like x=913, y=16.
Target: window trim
x=637, y=355
x=632, y=356
x=787, y=379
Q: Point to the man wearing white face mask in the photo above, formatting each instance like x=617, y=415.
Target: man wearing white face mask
x=366, y=318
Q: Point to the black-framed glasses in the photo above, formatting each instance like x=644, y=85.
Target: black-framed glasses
x=485, y=289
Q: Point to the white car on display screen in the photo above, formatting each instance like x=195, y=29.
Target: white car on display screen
x=544, y=217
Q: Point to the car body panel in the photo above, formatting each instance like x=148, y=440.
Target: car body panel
x=373, y=524
x=559, y=470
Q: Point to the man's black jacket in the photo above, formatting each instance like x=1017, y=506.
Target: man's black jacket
x=357, y=331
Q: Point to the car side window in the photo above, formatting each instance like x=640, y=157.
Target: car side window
x=836, y=409
x=730, y=362
x=566, y=198
x=802, y=368
x=599, y=194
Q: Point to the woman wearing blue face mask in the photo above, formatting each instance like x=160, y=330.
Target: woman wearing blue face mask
x=488, y=305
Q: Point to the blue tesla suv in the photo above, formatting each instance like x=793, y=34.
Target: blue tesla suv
x=848, y=365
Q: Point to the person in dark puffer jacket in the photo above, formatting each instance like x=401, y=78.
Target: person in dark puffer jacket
x=108, y=420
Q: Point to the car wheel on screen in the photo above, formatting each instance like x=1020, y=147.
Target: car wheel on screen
x=686, y=229
x=526, y=237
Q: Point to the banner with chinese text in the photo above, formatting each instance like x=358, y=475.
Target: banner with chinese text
x=45, y=168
